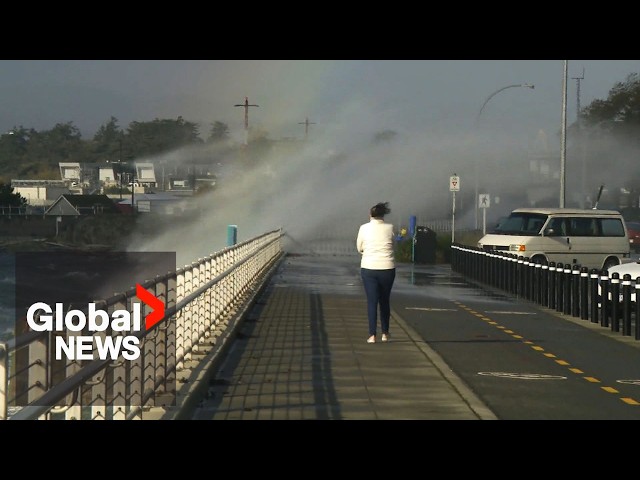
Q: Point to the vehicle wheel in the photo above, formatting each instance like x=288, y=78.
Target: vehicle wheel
x=610, y=262
x=539, y=259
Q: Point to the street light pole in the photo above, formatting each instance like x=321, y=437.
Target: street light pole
x=563, y=139
x=477, y=122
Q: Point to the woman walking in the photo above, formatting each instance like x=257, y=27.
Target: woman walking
x=377, y=268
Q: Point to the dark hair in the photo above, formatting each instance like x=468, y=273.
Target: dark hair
x=379, y=210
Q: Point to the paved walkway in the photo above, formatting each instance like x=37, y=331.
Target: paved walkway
x=301, y=353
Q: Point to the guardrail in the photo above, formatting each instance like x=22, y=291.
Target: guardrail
x=201, y=301
x=573, y=290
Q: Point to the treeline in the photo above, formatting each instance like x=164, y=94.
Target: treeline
x=30, y=154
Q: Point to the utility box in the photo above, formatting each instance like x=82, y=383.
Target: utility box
x=232, y=235
x=424, y=247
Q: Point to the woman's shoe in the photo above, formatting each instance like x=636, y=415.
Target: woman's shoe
x=385, y=337
x=371, y=339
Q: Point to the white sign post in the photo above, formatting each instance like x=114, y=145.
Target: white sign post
x=454, y=186
x=484, y=202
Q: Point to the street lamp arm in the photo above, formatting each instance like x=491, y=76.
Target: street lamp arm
x=527, y=85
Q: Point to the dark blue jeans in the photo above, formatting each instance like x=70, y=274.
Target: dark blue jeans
x=377, y=286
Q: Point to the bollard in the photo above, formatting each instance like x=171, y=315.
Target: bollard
x=615, y=302
x=559, y=287
x=544, y=284
x=551, y=295
x=513, y=269
x=584, y=293
x=575, y=291
x=519, y=278
x=504, y=283
x=604, y=299
x=593, y=279
x=637, y=308
x=526, y=278
x=537, y=295
x=626, y=304
x=492, y=269
x=568, y=281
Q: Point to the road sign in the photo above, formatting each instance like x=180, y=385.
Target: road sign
x=484, y=201
x=454, y=183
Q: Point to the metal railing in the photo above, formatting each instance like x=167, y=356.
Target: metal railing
x=201, y=300
x=594, y=296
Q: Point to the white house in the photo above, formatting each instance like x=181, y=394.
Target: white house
x=146, y=174
x=40, y=193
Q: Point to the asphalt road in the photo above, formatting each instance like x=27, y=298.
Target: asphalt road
x=525, y=361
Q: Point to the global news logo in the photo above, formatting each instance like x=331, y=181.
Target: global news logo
x=42, y=317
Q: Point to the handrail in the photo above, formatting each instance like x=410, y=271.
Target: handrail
x=207, y=293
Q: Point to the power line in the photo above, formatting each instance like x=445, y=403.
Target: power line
x=306, y=124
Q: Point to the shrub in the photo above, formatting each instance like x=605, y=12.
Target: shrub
x=404, y=247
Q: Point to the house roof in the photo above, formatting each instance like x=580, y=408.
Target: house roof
x=83, y=202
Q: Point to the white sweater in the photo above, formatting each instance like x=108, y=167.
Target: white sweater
x=375, y=243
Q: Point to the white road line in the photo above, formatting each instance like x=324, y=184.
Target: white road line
x=629, y=382
x=523, y=376
x=511, y=313
x=429, y=309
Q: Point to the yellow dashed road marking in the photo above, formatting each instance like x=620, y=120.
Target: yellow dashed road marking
x=627, y=400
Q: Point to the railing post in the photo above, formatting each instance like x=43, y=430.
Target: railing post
x=520, y=278
x=537, y=286
x=584, y=293
x=560, y=287
x=544, y=283
x=575, y=291
x=615, y=302
x=594, y=295
x=637, y=336
x=4, y=377
x=604, y=299
x=551, y=295
x=568, y=277
x=626, y=304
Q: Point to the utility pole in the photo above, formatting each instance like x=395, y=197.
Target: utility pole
x=579, y=137
x=306, y=124
x=246, y=106
x=120, y=167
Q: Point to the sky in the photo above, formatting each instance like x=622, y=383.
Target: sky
x=395, y=94
x=440, y=109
